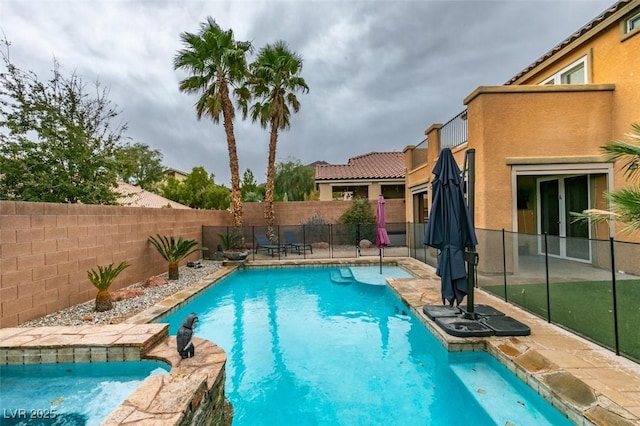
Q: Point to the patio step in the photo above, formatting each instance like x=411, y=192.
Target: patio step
x=342, y=276
x=510, y=405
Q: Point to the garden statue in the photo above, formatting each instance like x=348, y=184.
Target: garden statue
x=186, y=349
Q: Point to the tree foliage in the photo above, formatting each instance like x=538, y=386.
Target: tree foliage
x=251, y=191
x=139, y=165
x=359, y=212
x=362, y=218
x=58, y=140
x=198, y=190
x=294, y=180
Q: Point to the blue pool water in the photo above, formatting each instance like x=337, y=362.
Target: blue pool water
x=305, y=350
x=69, y=394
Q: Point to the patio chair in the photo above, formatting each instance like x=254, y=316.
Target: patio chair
x=292, y=241
x=268, y=246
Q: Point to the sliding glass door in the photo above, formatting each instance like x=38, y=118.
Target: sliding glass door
x=558, y=197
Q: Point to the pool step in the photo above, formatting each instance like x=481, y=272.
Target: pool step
x=342, y=276
x=505, y=404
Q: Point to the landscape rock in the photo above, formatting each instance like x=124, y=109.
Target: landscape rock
x=156, y=281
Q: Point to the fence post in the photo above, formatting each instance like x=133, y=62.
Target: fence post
x=304, y=241
x=546, y=268
x=253, y=239
x=408, y=243
x=330, y=241
x=278, y=242
x=615, y=297
x=504, y=264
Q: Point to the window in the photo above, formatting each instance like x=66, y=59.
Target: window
x=633, y=23
x=575, y=73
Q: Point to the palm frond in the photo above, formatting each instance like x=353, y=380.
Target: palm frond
x=172, y=250
x=628, y=151
x=105, y=276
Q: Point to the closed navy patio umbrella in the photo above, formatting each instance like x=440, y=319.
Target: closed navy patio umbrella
x=450, y=228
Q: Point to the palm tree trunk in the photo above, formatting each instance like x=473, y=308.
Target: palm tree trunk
x=236, y=195
x=269, y=213
x=174, y=272
x=103, y=301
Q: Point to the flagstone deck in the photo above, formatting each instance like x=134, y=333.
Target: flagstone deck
x=590, y=384
x=585, y=381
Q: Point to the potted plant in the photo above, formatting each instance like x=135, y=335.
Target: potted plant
x=174, y=251
x=102, y=280
x=233, y=245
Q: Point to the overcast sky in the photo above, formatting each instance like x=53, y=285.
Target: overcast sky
x=379, y=72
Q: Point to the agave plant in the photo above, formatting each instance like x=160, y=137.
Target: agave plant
x=102, y=280
x=174, y=251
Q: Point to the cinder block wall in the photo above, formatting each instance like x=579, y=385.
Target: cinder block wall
x=46, y=249
x=299, y=212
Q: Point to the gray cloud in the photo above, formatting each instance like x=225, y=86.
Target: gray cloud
x=379, y=71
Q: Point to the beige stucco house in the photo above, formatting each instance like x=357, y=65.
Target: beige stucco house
x=537, y=138
x=365, y=176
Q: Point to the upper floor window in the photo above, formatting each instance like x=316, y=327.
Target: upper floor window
x=633, y=23
x=576, y=73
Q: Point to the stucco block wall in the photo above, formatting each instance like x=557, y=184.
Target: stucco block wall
x=299, y=212
x=530, y=122
x=46, y=249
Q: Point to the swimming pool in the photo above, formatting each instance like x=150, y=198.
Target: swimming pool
x=305, y=349
x=69, y=394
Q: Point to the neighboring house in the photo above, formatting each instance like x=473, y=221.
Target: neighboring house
x=537, y=138
x=174, y=173
x=134, y=196
x=365, y=176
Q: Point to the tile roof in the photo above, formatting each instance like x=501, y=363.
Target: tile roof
x=589, y=27
x=374, y=165
x=134, y=196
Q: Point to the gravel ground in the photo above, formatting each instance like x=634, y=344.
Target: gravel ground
x=83, y=314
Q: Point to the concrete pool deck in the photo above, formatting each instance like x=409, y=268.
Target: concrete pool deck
x=590, y=384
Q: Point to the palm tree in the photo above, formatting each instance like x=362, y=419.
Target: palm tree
x=102, y=280
x=217, y=64
x=274, y=81
x=173, y=251
x=624, y=202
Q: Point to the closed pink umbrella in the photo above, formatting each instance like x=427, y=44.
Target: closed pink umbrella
x=382, y=238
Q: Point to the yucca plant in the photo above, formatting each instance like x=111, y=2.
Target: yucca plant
x=102, y=280
x=174, y=251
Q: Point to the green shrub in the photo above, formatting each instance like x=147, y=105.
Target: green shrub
x=316, y=229
x=362, y=216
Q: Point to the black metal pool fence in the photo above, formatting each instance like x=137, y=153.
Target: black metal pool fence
x=588, y=286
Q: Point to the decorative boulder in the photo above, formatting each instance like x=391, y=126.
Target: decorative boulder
x=365, y=244
x=125, y=294
x=154, y=282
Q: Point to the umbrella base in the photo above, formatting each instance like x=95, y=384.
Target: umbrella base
x=461, y=327
x=483, y=322
x=506, y=326
x=482, y=310
x=437, y=311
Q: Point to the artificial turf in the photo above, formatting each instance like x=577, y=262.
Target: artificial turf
x=585, y=307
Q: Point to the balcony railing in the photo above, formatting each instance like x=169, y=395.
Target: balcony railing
x=419, y=154
x=454, y=132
